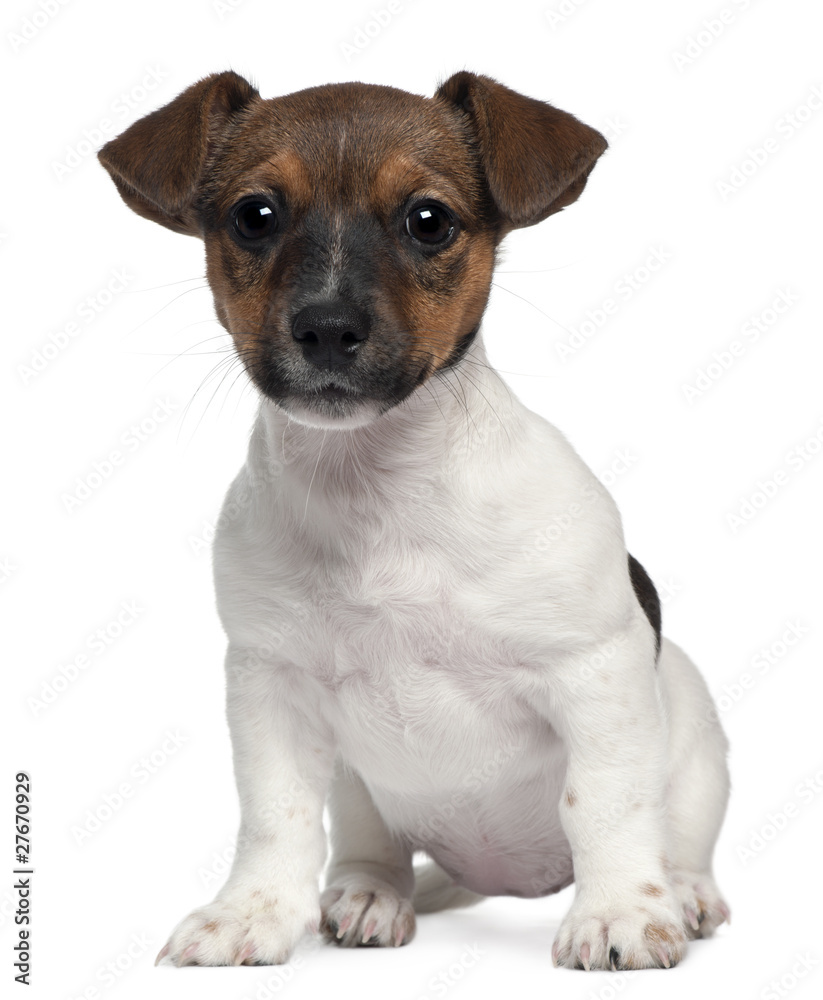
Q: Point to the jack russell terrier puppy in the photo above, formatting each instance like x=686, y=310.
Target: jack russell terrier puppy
x=434, y=627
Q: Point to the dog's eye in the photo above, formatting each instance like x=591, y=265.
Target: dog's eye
x=254, y=220
x=429, y=224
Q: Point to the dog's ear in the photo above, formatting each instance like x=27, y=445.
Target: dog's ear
x=536, y=157
x=157, y=163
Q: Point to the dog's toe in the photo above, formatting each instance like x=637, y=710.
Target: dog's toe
x=362, y=910
x=704, y=909
x=238, y=933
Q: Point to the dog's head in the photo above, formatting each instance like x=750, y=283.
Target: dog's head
x=350, y=229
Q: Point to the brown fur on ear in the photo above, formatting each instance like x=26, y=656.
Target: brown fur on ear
x=158, y=161
x=536, y=157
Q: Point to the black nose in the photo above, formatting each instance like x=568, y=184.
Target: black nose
x=330, y=333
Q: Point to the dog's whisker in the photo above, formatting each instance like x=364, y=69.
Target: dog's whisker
x=241, y=371
x=169, y=284
x=528, y=302
x=538, y=270
x=227, y=364
x=162, y=309
x=314, y=473
x=457, y=373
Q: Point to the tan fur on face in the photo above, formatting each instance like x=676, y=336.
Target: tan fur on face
x=350, y=171
x=399, y=176
x=343, y=164
x=437, y=322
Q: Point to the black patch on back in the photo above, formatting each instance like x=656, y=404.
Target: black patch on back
x=647, y=596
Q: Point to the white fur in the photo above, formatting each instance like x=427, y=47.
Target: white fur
x=432, y=629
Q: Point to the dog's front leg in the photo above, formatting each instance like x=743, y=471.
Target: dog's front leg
x=606, y=707
x=283, y=756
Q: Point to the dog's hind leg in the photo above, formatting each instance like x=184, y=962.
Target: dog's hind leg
x=698, y=790
x=370, y=878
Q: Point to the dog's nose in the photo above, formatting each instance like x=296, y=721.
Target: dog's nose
x=330, y=333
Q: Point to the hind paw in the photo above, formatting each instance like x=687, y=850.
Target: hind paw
x=704, y=909
x=363, y=910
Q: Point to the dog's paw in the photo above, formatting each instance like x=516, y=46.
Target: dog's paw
x=256, y=931
x=646, y=933
x=361, y=909
x=704, y=909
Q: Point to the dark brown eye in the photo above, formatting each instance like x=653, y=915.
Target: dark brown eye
x=430, y=224
x=254, y=220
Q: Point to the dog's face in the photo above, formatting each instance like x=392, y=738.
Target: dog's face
x=350, y=249
x=350, y=229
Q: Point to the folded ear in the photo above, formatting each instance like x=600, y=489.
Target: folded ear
x=157, y=163
x=536, y=157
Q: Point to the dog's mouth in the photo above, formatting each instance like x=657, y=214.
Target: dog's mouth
x=353, y=396
x=328, y=405
x=332, y=391
x=332, y=398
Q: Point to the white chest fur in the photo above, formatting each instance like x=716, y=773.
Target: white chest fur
x=416, y=574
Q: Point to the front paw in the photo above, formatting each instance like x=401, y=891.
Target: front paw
x=642, y=933
x=257, y=930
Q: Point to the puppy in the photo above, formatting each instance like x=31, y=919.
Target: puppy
x=434, y=626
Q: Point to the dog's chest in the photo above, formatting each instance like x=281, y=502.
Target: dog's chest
x=411, y=662
x=406, y=604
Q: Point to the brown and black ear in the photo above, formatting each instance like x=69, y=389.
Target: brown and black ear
x=157, y=163
x=536, y=157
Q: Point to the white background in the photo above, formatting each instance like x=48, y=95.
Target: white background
x=683, y=117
